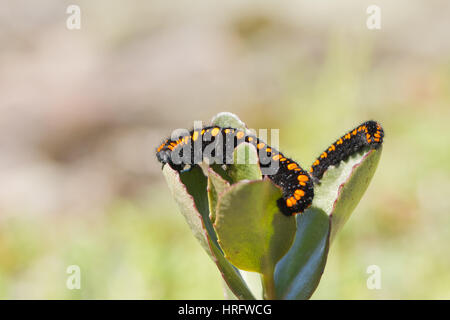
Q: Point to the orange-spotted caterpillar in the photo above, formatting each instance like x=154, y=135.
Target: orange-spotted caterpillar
x=190, y=148
x=368, y=134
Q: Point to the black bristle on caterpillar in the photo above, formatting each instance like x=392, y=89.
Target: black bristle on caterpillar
x=296, y=183
x=367, y=135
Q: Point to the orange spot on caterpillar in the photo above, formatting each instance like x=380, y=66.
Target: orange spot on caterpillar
x=289, y=202
x=276, y=157
x=302, y=178
x=292, y=166
x=215, y=132
x=240, y=134
x=161, y=146
x=260, y=145
x=195, y=135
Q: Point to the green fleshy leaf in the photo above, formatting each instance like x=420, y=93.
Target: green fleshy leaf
x=298, y=273
x=252, y=232
x=216, y=186
x=190, y=194
x=342, y=187
x=231, y=275
x=249, y=170
x=245, y=156
x=217, y=168
x=189, y=198
x=246, y=164
x=228, y=119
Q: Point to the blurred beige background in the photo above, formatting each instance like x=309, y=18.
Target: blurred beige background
x=81, y=112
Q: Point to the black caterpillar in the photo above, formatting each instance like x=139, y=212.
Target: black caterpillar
x=368, y=134
x=296, y=183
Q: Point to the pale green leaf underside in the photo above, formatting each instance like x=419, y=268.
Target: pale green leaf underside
x=246, y=164
x=216, y=186
x=342, y=187
x=227, y=119
x=190, y=194
x=186, y=203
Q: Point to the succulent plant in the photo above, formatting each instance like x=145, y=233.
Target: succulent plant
x=261, y=253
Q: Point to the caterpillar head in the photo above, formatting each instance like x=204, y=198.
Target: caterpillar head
x=376, y=133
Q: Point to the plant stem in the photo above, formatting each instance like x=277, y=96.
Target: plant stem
x=269, y=285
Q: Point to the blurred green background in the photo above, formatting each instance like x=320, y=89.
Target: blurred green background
x=81, y=112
